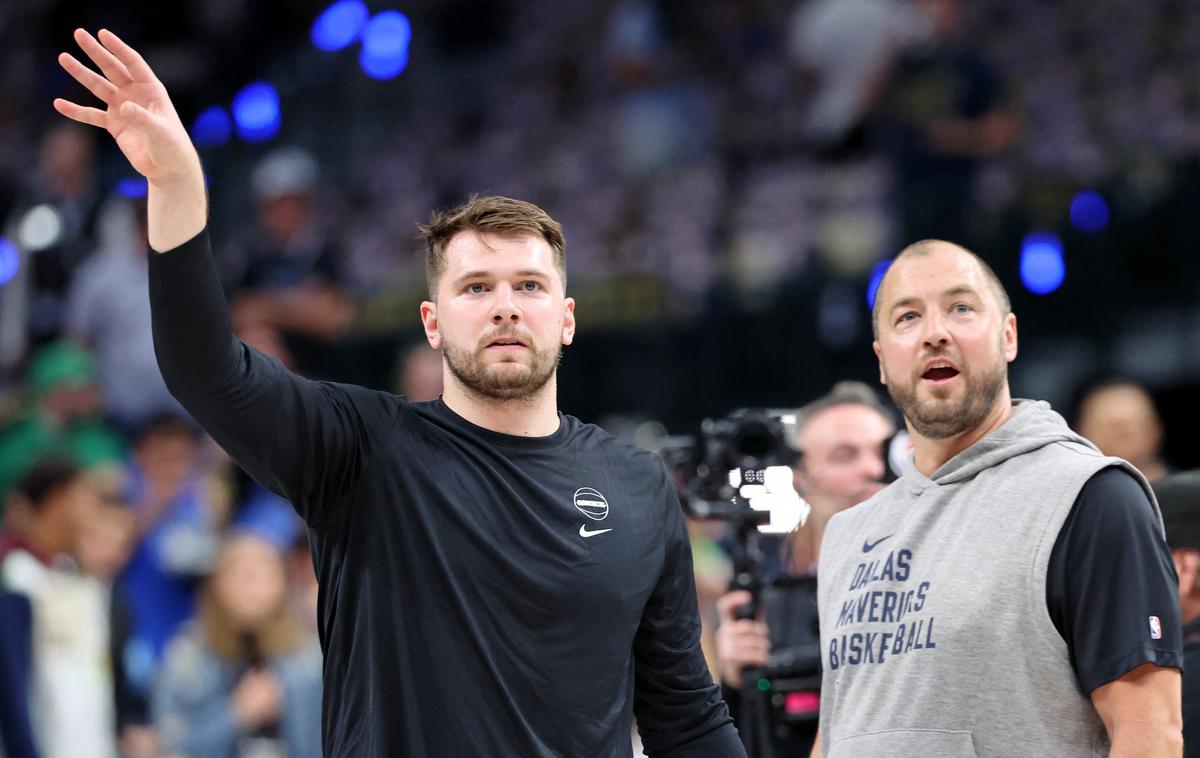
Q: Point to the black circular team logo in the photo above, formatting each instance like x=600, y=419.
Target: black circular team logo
x=591, y=503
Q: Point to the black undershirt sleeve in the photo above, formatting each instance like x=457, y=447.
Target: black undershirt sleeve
x=679, y=710
x=301, y=439
x=1111, y=588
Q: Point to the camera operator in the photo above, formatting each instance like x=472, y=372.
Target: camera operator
x=841, y=438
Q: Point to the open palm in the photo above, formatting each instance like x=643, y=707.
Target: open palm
x=138, y=113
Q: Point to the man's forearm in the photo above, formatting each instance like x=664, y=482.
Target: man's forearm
x=722, y=742
x=1150, y=743
x=178, y=211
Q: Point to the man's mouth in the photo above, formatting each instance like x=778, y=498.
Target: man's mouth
x=939, y=372
x=507, y=343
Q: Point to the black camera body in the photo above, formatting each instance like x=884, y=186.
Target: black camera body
x=780, y=700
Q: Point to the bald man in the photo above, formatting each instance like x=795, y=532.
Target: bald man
x=1012, y=594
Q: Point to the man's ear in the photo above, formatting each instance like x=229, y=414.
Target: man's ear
x=429, y=320
x=879, y=357
x=568, y=332
x=1010, y=337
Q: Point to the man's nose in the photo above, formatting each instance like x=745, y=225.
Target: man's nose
x=504, y=308
x=873, y=465
x=935, y=329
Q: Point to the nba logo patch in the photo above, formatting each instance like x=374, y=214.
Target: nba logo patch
x=1155, y=628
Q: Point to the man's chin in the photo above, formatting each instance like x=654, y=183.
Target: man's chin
x=508, y=373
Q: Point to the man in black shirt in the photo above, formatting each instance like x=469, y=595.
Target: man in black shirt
x=496, y=579
x=1179, y=498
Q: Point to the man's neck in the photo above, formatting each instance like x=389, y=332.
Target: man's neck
x=535, y=416
x=930, y=454
x=41, y=541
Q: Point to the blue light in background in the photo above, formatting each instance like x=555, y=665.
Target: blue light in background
x=877, y=272
x=212, y=127
x=385, y=41
x=132, y=187
x=340, y=24
x=10, y=260
x=1089, y=212
x=256, y=112
x=1042, y=266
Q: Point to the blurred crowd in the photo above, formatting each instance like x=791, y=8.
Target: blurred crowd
x=158, y=601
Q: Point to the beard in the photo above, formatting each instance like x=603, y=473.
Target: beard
x=937, y=418
x=506, y=380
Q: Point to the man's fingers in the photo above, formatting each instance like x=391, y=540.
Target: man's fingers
x=113, y=69
x=730, y=601
x=96, y=84
x=139, y=116
x=91, y=116
x=138, y=69
x=745, y=628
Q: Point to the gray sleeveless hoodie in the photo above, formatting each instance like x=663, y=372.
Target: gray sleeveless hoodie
x=935, y=635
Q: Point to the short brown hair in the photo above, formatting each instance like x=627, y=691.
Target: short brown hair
x=924, y=247
x=495, y=215
x=843, y=393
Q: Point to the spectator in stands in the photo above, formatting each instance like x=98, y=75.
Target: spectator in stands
x=1119, y=417
x=177, y=522
x=245, y=676
x=105, y=547
x=70, y=688
x=107, y=311
x=64, y=416
x=943, y=112
x=287, y=272
x=54, y=221
x=846, y=49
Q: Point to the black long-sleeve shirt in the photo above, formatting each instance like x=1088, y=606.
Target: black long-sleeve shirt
x=480, y=594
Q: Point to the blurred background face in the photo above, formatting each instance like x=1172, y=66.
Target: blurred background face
x=107, y=540
x=843, y=457
x=71, y=402
x=67, y=159
x=419, y=377
x=1122, y=421
x=250, y=581
x=944, y=17
x=67, y=512
x=166, y=459
x=285, y=216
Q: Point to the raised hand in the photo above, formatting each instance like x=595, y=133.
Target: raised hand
x=139, y=115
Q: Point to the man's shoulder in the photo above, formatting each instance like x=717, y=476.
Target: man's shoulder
x=367, y=400
x=856, y=513
x=592, y=437
x=579, y=432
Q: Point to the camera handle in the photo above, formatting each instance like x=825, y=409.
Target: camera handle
x=747, y=560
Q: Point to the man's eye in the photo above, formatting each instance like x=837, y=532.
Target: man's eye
x=531, y=286
x=475, y=288
x=906, y=317
x=962, y=308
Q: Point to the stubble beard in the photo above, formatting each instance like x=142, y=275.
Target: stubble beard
x=941, y=419
x=482, y=380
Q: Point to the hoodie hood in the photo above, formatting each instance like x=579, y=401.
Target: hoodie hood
x=1032, y=426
